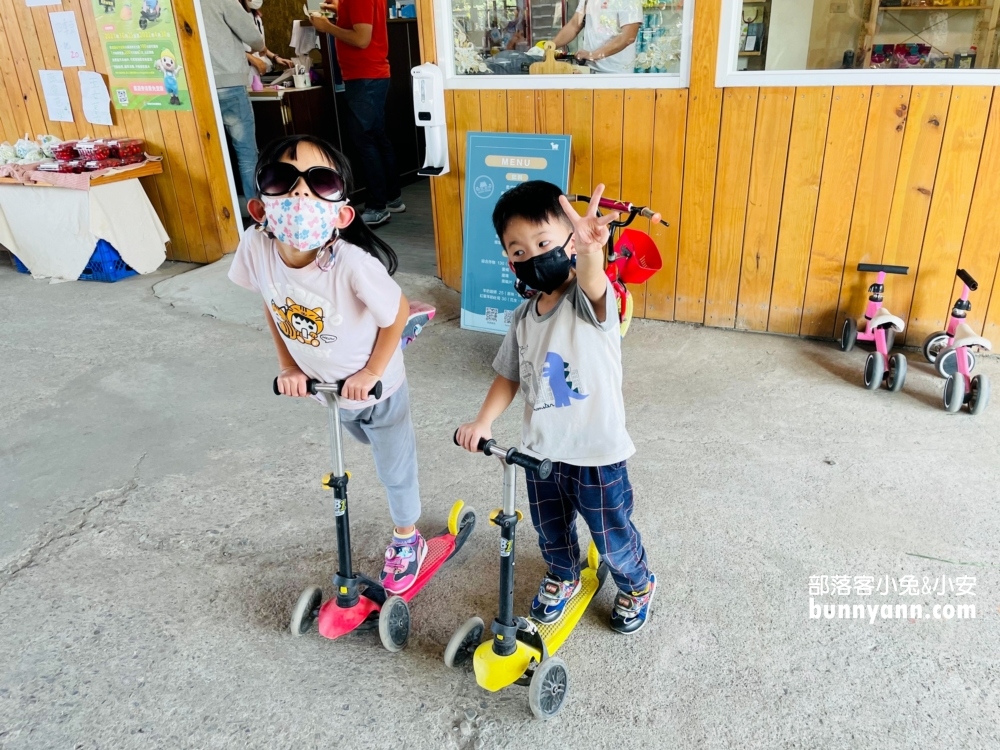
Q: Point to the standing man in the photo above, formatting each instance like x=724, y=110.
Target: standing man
x=609, y=31
x=362, y=41
x=228, y=27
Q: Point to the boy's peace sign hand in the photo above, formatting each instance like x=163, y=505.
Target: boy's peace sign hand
x=590, y=231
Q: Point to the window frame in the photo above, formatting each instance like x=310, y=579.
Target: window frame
x=727, y=76
x=446, y=61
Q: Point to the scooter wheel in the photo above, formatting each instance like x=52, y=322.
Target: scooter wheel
x=306, y=611
x=460, y=517
x=933, y=345
x=946, y=361
x=897, y=372
x=849, y=335
x=464, y=643
x=979, y=396
x=548, y=688
x=954, y=393
x=394, y=623
x=874, y=370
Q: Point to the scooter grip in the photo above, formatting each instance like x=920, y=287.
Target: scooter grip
x=966, y=277
x=541, y=466
x=311, y=384
x=483, y=442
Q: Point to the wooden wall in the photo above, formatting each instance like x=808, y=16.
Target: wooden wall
x=192, y=195
x=774, y=195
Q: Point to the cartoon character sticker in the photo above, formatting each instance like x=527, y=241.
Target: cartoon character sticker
x=168, y=66
x=299, y=323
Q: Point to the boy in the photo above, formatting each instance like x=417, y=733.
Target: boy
x=563, y=351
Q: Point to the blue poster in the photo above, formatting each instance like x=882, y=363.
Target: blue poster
x=494, y=163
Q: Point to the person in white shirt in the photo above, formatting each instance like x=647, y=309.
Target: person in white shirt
x=609, y=30
x=262, y=62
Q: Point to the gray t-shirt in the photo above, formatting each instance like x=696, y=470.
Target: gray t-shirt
x=569, y=366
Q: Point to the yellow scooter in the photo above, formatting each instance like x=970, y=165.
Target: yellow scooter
x=522, y=651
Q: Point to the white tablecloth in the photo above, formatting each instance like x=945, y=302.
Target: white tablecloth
x=54, y=231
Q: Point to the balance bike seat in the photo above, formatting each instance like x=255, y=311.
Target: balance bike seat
x=965, y=336
x=885, y=318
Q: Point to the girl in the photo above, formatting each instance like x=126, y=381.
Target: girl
x=335, y=314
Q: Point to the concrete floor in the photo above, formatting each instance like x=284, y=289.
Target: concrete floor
x=161, y=512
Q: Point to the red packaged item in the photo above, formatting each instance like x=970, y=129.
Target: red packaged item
x=73, y=166
x=124, y=148
x=93, y=149
x=92, y=165
x=65, y=151
x=137, y=159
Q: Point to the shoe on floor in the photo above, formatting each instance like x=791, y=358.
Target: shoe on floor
x=403, y=558
x=397, y=206
x=550, y=601
x=632, y=610
x=374, y=218
x=420, y=315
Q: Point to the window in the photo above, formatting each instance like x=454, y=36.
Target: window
x=494, y=43
x=824, y=42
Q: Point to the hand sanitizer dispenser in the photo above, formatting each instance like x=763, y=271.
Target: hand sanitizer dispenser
x=428, y=111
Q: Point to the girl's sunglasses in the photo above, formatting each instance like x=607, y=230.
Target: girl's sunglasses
x=280, y=177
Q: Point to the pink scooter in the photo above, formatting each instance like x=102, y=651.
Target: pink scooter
x=952, y=354
x=880, y=326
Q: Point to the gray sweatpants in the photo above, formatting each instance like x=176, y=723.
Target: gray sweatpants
x=388, y=429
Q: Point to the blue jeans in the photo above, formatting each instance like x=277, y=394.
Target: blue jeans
x=603, y=496
x=366, y=102
x=237, y=117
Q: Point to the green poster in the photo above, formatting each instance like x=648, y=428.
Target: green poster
x=144, y=60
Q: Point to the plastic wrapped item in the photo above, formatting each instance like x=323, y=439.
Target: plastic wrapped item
x=93, y=165
x=134, y=159
x=123, y=148
x=32, y=157
x=65, y=151
x=74, y=166
x=93, y=150
x=48, y=143
x=8, y=154
x=25, y=146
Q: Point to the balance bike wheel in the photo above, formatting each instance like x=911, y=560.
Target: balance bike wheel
x=933, y=345
x=954, y=393
x=306, y=611
x=897, y=372
x=946, y=361
x=464, y=643
x=394, y=623
x=849, y=335
x=979, y=397
x=548, y=688
x=874, y=371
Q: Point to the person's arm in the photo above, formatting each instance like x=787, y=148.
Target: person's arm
x=357, y=387
x=570, y=31
x=590, y=235
x=259, y=65
x=291, y=380
x=243, y=26
x=613, y=46
x=499, y=397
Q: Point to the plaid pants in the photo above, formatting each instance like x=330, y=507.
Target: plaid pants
x=603, y=496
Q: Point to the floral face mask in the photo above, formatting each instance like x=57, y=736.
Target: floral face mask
x=305, y=224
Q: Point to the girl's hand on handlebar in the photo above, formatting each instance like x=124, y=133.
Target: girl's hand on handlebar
x=292, y=382
x=470, y=433
x=359, y=385
x=590, y=231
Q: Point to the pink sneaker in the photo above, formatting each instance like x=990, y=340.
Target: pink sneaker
x=403, y=558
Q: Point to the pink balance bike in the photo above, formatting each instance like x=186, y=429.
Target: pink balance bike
x=952, y=353
x=881, y=327
x=360, y=602
x=632, y=256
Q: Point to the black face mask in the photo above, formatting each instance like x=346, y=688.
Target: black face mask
x=546, y=272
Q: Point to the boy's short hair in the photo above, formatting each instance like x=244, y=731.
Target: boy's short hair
x=536, y=202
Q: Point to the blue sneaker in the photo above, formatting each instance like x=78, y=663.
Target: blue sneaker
x=632, y=610
x=550, y=602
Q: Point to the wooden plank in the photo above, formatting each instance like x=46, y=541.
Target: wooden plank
x=608, y=119
x=806, y=149
x=911, y=201
x=841, y=161
x=50, y=61
x=425, y=27
x=767, y=182
x=701, y=155
x=171, y=217
x=73, y=79
x=949, y=214
x=467, y=119
x=20, y=67
x=449, y=229
x=18, y=111
x=667, y=180
x=637, y=167
x=704, y=43
x=8, y=125
x=211, y=245
x=133, y=129
x=521, y=111
x=148, y=169
x=981, y=249
x=93, y=38
x=180, y=176
x=31, y=36
x=739, y=115
x=549, y=111
x=578, y=122
x=493, y=111
x=873, y=200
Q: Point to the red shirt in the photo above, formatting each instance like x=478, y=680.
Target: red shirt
x=373, y=61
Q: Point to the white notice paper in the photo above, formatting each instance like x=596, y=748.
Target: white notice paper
x=36, y=3
x=56, y=96
x=67, y=35
x=751, y=43
x=96, y=99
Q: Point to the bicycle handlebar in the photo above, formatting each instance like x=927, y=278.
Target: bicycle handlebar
x=541, y=466
x=967, y=279
x=878, y=268
x=619, y=206
x=316, y=386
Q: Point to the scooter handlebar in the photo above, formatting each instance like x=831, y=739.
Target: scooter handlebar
x=317, y=386
x=877, y=268
x=541, y=466
x=967, y=279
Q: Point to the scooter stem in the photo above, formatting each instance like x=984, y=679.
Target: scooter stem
x=344, y=566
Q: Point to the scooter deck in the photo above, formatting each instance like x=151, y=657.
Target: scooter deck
x=555, y=634
x=439, y=549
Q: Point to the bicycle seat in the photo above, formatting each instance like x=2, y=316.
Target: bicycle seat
x=885, y=318
x=965, y=336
